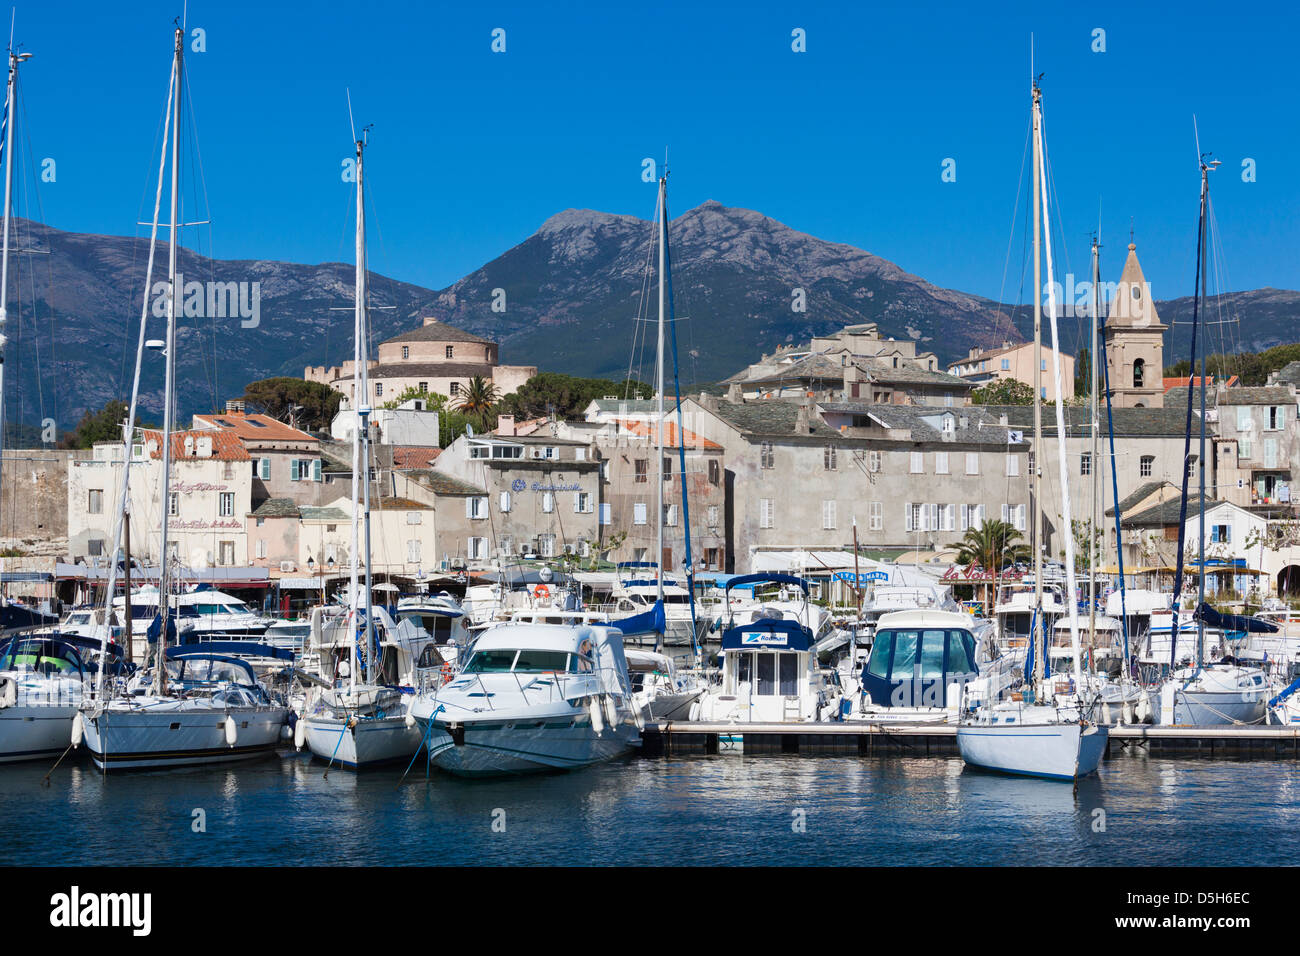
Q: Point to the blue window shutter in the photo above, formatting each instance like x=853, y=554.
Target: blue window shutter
x=315, y=470
x=293, y=469
x=266, y=469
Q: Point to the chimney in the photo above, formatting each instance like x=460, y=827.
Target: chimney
x=506, y=425
x=234, y=406
x=802, y=422
x=709, y=401
x=734, y=393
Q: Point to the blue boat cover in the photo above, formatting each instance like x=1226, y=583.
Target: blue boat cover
x=1234, y=622
x=652, y=621
x=767, y=578
x=233, y=648
x=775, y=633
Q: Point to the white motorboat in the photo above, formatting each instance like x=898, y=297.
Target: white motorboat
x=770, y=672
x=533, y=697
x=925, y=664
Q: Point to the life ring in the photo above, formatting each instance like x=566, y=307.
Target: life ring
x=541, y=592
x=446, y=673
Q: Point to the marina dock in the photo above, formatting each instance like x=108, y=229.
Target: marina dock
x=886, y=739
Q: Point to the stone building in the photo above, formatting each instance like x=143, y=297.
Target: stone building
x=286, y=461
x=534, y=494
x=211, y=496
x=801, y=475
x=1015, y=360
x=627, y=449
x=436, y=358
x=1135, y=341
x=853, y=364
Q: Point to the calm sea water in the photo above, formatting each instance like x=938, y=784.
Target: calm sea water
x=671, y=811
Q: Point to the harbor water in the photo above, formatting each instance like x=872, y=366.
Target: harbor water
x=728, y=810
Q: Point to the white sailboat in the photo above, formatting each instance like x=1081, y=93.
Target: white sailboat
x=359, y=724
x=195, y=706
x=1222, y=692
x=40, y=686
x=1038, y=736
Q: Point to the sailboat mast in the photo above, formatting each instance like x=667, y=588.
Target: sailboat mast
x=360, y=401
x=4, y=253
x=663, y=263
x=169, y=363
x=1092, y=456
x=1200, y=292
x=1036, y=471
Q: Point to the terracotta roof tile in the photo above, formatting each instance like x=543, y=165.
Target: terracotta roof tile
x=251, y=427
x=225, y=446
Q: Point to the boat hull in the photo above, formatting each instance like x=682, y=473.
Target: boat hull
x=145, y=739
x=368, y=742
x=481, y=748
x=34, y=731
x=1050, y=751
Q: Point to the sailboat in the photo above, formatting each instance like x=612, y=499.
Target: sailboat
x=671, y=613
x=1040, y=735
x=42, y=678
x=1222, y=692
x=1120, y=699
x=358, y=724
x=197, y=705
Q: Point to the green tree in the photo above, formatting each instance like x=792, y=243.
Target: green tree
x=992, y=546
x=565, y=396
x=1082, y=375
x=317, y=403
x=478, y=402
x=103, y=425
x=1004, y=391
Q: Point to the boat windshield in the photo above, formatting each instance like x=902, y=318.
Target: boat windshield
x=526, y=660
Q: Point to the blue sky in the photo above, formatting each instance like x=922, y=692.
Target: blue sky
x=472, y=150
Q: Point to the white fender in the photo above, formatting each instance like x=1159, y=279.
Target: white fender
x=1105, y=712
x=610, y=709
x=1128, y=712
x=1144, y=708
x=8, y=692
x=597, y=718
x=286, y=732
x=300, y=733
x=410, y=720
x=78, y=729
x=638, y=718
x=231, y=732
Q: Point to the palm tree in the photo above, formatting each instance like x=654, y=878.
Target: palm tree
x=992, y=546
x=477, y=400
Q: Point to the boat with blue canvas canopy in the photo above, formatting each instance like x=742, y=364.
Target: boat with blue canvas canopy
x=770, y=672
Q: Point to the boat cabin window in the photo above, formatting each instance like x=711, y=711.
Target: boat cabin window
x=768, y=673
x=532, y=660
x=907, y=654
x=429, y=658
x=527, y=660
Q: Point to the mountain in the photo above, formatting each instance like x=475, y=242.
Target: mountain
x=572, y=292
x=87, y=300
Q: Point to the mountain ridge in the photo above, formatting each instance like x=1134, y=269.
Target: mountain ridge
x=571, y=292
